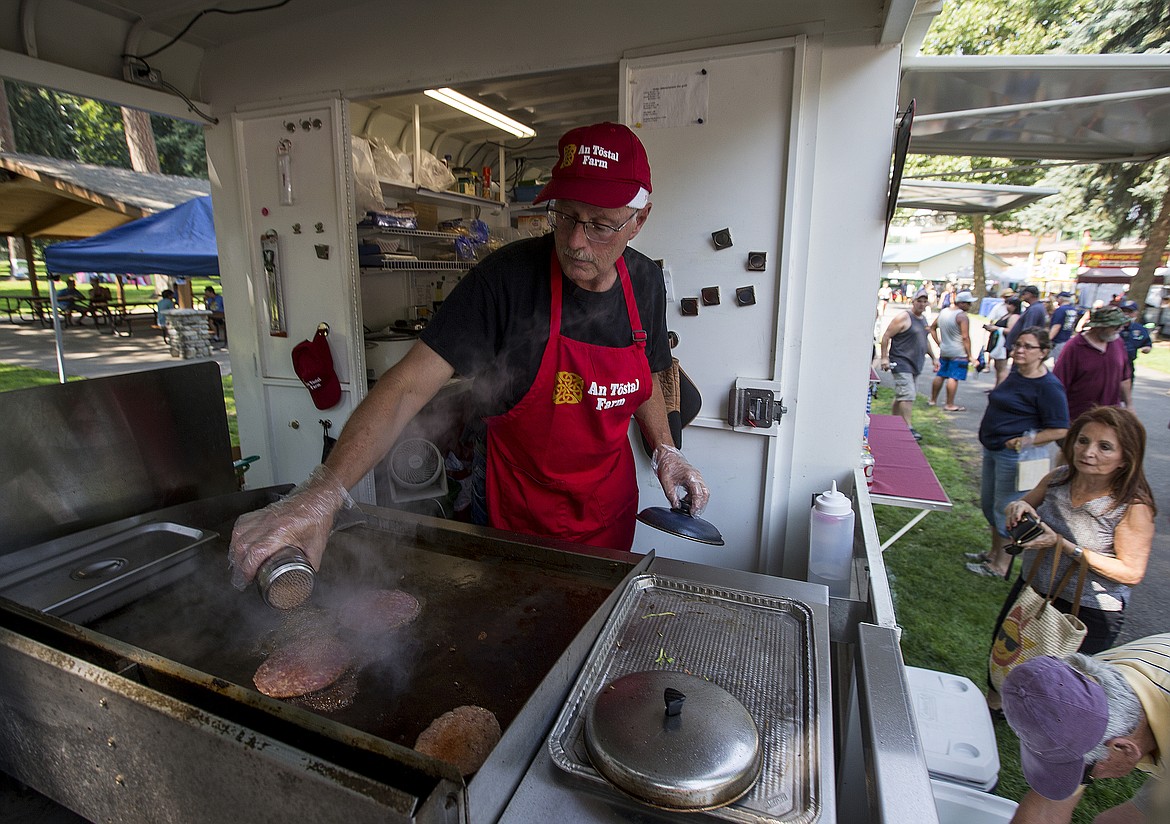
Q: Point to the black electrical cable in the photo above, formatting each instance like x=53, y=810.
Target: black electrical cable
x=190, y=106
x=196, y=19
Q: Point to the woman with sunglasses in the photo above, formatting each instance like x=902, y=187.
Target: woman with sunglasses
x=1028, y=408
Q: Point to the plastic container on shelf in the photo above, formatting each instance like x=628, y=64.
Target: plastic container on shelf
x=962, y=805
x=830, y=536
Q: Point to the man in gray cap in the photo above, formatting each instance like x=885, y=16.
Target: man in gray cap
x=1032, y=313
x=905, y=345
x=1086, y=718
x=951, y=330
x=1094, y=366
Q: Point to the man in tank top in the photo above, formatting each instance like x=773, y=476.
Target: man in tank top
x=951, y=330
x=905, y=345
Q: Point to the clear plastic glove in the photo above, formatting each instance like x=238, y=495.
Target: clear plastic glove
x=303, y=518
x=676, y=475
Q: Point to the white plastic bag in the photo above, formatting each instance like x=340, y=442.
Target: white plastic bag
x=391, y=165
x=366, y=189
x=433, y=174
x=1035, y=462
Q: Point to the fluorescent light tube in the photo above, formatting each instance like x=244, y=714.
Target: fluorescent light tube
x=476, y=109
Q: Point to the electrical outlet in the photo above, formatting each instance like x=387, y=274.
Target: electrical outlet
x=140, y=73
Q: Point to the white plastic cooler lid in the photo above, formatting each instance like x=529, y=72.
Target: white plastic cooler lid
x=956, y=729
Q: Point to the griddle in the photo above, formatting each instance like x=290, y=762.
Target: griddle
x=488, y=631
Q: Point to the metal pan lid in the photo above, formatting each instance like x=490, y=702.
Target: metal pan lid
x=681, y=522
x=673, y=740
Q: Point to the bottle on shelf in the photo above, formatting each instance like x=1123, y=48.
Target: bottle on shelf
x=830, y=535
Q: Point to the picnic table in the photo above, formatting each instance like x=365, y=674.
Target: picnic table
x=118, y=317
x=27, y=307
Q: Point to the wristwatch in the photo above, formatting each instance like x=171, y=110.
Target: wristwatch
x=1077, y=553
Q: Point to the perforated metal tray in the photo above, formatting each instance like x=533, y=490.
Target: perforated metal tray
x=758, y=648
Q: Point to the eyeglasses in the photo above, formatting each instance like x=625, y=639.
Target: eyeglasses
x=1087, y=775
x=594, y=231
x=1025, y=346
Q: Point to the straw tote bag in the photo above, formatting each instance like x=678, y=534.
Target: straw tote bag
x=1033, y=626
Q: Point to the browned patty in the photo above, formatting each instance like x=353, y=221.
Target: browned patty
x=302, y=668
x=464, y=737
x=378, y=610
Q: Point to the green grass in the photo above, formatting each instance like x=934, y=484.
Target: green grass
x=14, y=288
x=20, y=377
x=945, y=612
x=1158, y=358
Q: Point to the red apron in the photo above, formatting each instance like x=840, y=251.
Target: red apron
x=559, y=462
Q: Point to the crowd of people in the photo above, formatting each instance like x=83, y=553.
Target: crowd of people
x=1062, y=400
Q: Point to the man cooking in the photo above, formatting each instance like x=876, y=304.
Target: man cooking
x=564, y=336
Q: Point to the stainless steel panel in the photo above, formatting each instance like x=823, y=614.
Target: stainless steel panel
x=86, y=453
x=897, y=775
x=71, y=577
x=758, y=648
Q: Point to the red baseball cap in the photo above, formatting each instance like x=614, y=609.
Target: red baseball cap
x=313, y=363
x=604, y=165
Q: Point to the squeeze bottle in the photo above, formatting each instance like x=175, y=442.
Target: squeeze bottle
x=830, y=537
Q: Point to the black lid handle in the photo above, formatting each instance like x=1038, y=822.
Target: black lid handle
x=674, y=701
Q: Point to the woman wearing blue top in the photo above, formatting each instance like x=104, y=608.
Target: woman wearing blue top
x=1028, y=408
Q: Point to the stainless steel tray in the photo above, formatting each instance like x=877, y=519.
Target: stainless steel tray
x=758, y=648
x=88, y=574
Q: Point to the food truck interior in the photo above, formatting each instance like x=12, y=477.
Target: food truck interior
x=770, y=128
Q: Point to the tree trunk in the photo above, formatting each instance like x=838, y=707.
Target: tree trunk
x=1152, y=256
x=140, y=140
x=8, y=144
x=977, y=270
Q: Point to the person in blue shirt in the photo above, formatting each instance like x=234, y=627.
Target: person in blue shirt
x=166, y=301
x=1032, y=314
x=1135, y=335
x=1064, y=322
x=213, y=303
x=70, y=300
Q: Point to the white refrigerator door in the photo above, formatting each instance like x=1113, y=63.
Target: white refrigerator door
x=717, y=125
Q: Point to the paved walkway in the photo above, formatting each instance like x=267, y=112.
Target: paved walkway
x=1149, y=609
x=89, y=352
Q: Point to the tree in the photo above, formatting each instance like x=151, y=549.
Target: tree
x=993, y=27
x=1136, y=195
x=55, y=124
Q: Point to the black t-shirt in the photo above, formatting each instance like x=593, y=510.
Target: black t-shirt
x=494, y=324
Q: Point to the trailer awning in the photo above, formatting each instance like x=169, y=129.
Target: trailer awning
x=1050, y=107
x=967, y=198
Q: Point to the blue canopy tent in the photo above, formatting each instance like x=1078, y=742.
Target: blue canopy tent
x=179, y=242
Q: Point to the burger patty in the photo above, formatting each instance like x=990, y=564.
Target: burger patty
x=302, y=668
x=464, y=737
x=378, y=610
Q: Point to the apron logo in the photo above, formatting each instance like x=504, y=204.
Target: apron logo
x=611, y=395
x=569, y=153
x=570, y=388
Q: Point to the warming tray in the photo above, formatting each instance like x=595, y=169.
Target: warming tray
x=90, y=574
x=757, y=647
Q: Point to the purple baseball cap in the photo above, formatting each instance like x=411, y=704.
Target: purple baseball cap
x=1059, y=715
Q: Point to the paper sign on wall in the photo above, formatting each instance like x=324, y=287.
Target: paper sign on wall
x=661, y=99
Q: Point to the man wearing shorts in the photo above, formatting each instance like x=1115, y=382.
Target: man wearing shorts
x=951, y=330
x=1086, y=718
x=905, y=345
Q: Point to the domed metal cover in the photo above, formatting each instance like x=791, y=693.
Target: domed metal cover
x=705, y=756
